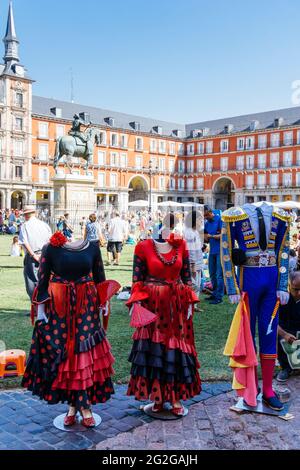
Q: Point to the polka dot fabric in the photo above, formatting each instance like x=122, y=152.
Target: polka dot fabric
x=163, y=357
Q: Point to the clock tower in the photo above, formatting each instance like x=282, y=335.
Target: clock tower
x=15, y=124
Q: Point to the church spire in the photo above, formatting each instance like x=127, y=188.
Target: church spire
x=11, y=41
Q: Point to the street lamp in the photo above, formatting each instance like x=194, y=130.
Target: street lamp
x=152, y=170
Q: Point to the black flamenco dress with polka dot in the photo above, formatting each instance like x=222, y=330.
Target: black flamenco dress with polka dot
x=163, y=357
x=70, y=358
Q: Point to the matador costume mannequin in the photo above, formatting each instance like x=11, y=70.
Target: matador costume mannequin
x=261, y=233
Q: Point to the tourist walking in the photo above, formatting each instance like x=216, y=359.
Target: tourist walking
x=34, y=234
x=212, y=235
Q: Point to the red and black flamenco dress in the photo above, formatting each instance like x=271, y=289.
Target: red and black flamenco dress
x=70, y=358
x=164, y=358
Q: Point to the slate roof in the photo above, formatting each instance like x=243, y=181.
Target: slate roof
x=291, y=116
x=41, y=107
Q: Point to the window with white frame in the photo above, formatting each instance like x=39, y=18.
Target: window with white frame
x=101, y=180
x=153, y=162
x=123, y=160
x=262, y=141
x=274, y=160
x=275, y=140
x=249, y=181
x=287, y=159
x=288, y=138
x=172, y=148
x=298, y=157
x=209, y=146
x=190, y=184
x=60, y=131
x=181, y=185
x=261, y=181
x=262, y=161
x=114, y=141
x=124, y=141
x=43, y=130
x=190, y=149
x=102, y=138
x=274, y=180
x=250, y=143
x=201, y=147
x=18, y=148
x=287, y=179
x=200, y=184
x=139, y=143
x=208, y=165
x=200, y=166
x=298, y=137
x=180, y=148
x=162, y=146
x=162, y=164
x=190, y=166
x=224, y=164
x=19, y=171
x=297, y=179
x=114, y=159
x=19, y=124
x=171, y=165
x=224, y=145
x=113, y=180
x=19, y=99
x=172, y=183
x=43, y=152
x=138, y=162
x=153, y=145
x=240, y=143
x=101, y=158
x=162, y=183
x=249, y=162
x=44, y=175
x=181, y=166
x=240, y=162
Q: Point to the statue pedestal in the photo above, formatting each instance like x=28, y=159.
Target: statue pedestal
x=75, y=195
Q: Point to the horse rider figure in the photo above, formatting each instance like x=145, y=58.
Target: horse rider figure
x=75, y=130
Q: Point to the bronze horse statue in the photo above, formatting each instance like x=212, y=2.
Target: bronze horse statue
x=73, y=146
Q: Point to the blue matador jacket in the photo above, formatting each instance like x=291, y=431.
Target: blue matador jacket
x=237, y=232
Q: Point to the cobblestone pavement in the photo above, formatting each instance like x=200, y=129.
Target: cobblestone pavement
x=26, y=423
x=210, y=425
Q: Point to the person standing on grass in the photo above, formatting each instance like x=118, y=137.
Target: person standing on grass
x=34, y=234
x=289, y=325
x=117, y=235
x=212, y=235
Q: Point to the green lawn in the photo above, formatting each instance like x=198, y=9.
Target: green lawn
x=211, y=325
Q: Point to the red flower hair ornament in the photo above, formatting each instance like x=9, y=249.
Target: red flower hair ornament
x=58, y=239
x=175, y=240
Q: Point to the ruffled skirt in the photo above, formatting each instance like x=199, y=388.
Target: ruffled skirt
x=163, y=357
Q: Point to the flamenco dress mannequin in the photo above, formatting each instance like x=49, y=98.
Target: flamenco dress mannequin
x=70, y=358
x=163, y=357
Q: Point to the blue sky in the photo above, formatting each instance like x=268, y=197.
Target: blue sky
x=177, y=60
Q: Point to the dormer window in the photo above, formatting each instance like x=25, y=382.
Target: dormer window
x=57, y=112
x=135, y=125
x=254, y=125
x=158, y=129
x=278, y=122
x=110, y=121
x=228, y=128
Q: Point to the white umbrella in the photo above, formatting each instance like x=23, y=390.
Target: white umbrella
x=169, y=204
x=191, y=204
x=140, y=203
x=288, y=205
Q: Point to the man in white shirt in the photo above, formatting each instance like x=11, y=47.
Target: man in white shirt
x=34, y=234
x=117, y=234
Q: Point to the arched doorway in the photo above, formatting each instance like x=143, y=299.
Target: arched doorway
x=138, y=189
x=2, y=200
x=17, y=200
x=223, y=194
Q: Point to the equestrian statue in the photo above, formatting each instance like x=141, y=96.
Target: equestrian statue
x=76, y=144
